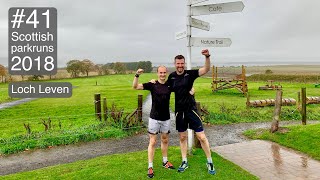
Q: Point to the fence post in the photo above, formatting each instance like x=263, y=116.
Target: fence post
x=277, y=112
x=97, y=103
x=248, y=101
x=304, y=106
x=140, y=108
x=197, y=143
x=105, y=109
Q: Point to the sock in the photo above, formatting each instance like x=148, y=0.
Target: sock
x=209, y=160
x=184, y=159
x=150, y=165
x=164, y=159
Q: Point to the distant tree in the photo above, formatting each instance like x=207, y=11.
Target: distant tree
x=35, y=77
x=131, y=66
x=86, y=66
x=148, y=66
x=119, y=68
x=145, y=65
x=98, y=69
x=105, y=69
x=268, y=71
x=74, y=67
x=3, y=72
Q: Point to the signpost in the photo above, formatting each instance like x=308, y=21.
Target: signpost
x=217, y=8
x=181, y=34
x=204, y=41
x=196, y=23
x=192, y=2
x=210, y=42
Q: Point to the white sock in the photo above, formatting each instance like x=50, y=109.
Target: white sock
x=184, y=159
x=164, y=159
x=209, y=160
x=150, y=165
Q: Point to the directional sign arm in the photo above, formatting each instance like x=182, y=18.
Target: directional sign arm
x=196, y=23
x=210, y=42
x=217, y=8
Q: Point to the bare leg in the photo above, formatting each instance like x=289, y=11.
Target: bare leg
x=151, y=147
x=204, y=143
x=183, y=143
x=164, y=144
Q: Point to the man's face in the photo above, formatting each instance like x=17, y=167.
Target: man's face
x=162, y=73
x=179, y=63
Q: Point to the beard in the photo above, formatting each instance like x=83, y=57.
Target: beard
x=180, y=70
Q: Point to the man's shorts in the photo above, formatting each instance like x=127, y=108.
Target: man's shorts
x=188, y=119
x=156, y=126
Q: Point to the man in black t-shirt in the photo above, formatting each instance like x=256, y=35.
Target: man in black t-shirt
x=159, y=121
x=181, y=82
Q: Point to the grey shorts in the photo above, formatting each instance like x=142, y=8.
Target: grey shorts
x=156, y=126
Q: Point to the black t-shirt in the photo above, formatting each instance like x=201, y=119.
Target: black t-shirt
x=181, y=85
x=160, y=94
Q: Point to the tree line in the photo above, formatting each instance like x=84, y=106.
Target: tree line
x=77, y=67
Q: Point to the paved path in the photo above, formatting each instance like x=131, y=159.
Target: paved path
x=268, y=160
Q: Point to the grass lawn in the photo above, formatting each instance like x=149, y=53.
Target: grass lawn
x=76, y=111
x=134, y=166
x=72, y=119
x=302, y=138
x=75, y=115
x=229, y=106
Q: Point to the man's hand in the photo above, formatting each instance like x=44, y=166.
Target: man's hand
x=139, y=71
x=192, y=91
x=153, y=81
x=205, y=52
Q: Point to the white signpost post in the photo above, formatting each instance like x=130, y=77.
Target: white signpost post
x=203, y=41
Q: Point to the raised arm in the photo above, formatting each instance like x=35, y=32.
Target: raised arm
x=135, y=84
x=206, y=67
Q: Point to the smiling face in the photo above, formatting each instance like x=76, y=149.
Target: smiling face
x=180, y=65
x=162, y=73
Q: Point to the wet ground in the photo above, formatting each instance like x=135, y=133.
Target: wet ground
x=218, y=135
x=268, y=160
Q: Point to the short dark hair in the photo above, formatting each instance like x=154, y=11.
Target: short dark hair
x=179, y=57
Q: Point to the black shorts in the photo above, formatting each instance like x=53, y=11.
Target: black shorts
x=188, y=119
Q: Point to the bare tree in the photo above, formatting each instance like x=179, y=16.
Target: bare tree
x=74, y=67
x=87, y=66
x=3, y=72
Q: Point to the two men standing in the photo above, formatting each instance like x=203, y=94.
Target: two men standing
x=180, y=82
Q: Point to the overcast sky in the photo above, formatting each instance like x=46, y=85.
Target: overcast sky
x=267, y=31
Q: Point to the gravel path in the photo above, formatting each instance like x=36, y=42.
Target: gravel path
x=25, y=161
x=14, y=103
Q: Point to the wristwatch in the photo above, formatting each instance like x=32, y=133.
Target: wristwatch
x=137, y=75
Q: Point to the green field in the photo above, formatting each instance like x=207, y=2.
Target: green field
x=73, y=119
x=134, y=166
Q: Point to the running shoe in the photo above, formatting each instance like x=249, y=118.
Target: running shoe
x=150, y=172
x=168, y=165
x=183, y=166
x=211, y=169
